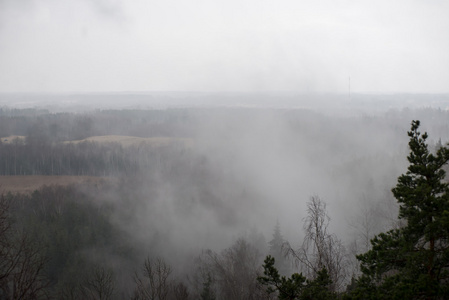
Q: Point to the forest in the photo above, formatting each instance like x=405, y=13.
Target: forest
x=225, y=203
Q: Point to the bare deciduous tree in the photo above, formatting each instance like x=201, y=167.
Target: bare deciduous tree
x=154, y=283
x=100, y=286
x=233, y=272
x=320, y=249
x=180, y=291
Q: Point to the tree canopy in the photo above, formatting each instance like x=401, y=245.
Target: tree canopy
x=412, y=262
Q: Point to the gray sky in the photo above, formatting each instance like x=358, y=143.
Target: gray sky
x=205, y=45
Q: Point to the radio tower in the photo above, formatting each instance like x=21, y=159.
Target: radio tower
x=349, y=87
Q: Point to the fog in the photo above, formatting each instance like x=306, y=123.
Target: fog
x=252, y=46
x=209, y=169
x=204, y=124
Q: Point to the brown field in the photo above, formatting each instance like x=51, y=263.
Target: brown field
x=28, y=184
x=10, y=139
x=125, y=141
x=128, y=141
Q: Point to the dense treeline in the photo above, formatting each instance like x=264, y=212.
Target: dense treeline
x=42, y=126
x=81, y=253
x=73, y=234
x=74, y=231
x=44, y=150
x=86, y=158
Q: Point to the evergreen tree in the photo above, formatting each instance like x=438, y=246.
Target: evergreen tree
x=412, y=262
x=319, y=288
x=208, y=292
x=275, y=250
x=296, y=286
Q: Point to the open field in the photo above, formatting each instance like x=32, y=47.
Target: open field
x=125, y=141
x=128, y=141
x=28, y=184
x=10, y=139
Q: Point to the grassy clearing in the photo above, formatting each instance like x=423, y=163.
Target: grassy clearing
x=28, y=184
x=125, y=141
x=12, y=138
x=128, y=141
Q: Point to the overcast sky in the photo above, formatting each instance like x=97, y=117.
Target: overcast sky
x=384, y=46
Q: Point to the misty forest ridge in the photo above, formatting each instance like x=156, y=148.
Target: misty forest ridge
x=224, y=150
x=105, y=201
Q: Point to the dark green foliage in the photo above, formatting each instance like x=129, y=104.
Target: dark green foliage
x=287, y=288
x=208, y=292
x=296, y=286
x=319, y=288
x=412, y=262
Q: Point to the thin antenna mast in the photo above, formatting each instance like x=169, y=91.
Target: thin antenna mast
x=349, y=87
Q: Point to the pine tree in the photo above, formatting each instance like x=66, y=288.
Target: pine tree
x=208, y=293
x=276, y=246
x=412, y=262
x=295, y=287
x=285, y=288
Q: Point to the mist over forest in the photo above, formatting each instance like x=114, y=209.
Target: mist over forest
x=222, y=150
x=197, y=188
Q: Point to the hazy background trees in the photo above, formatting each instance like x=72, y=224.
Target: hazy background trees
x=245, y=170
